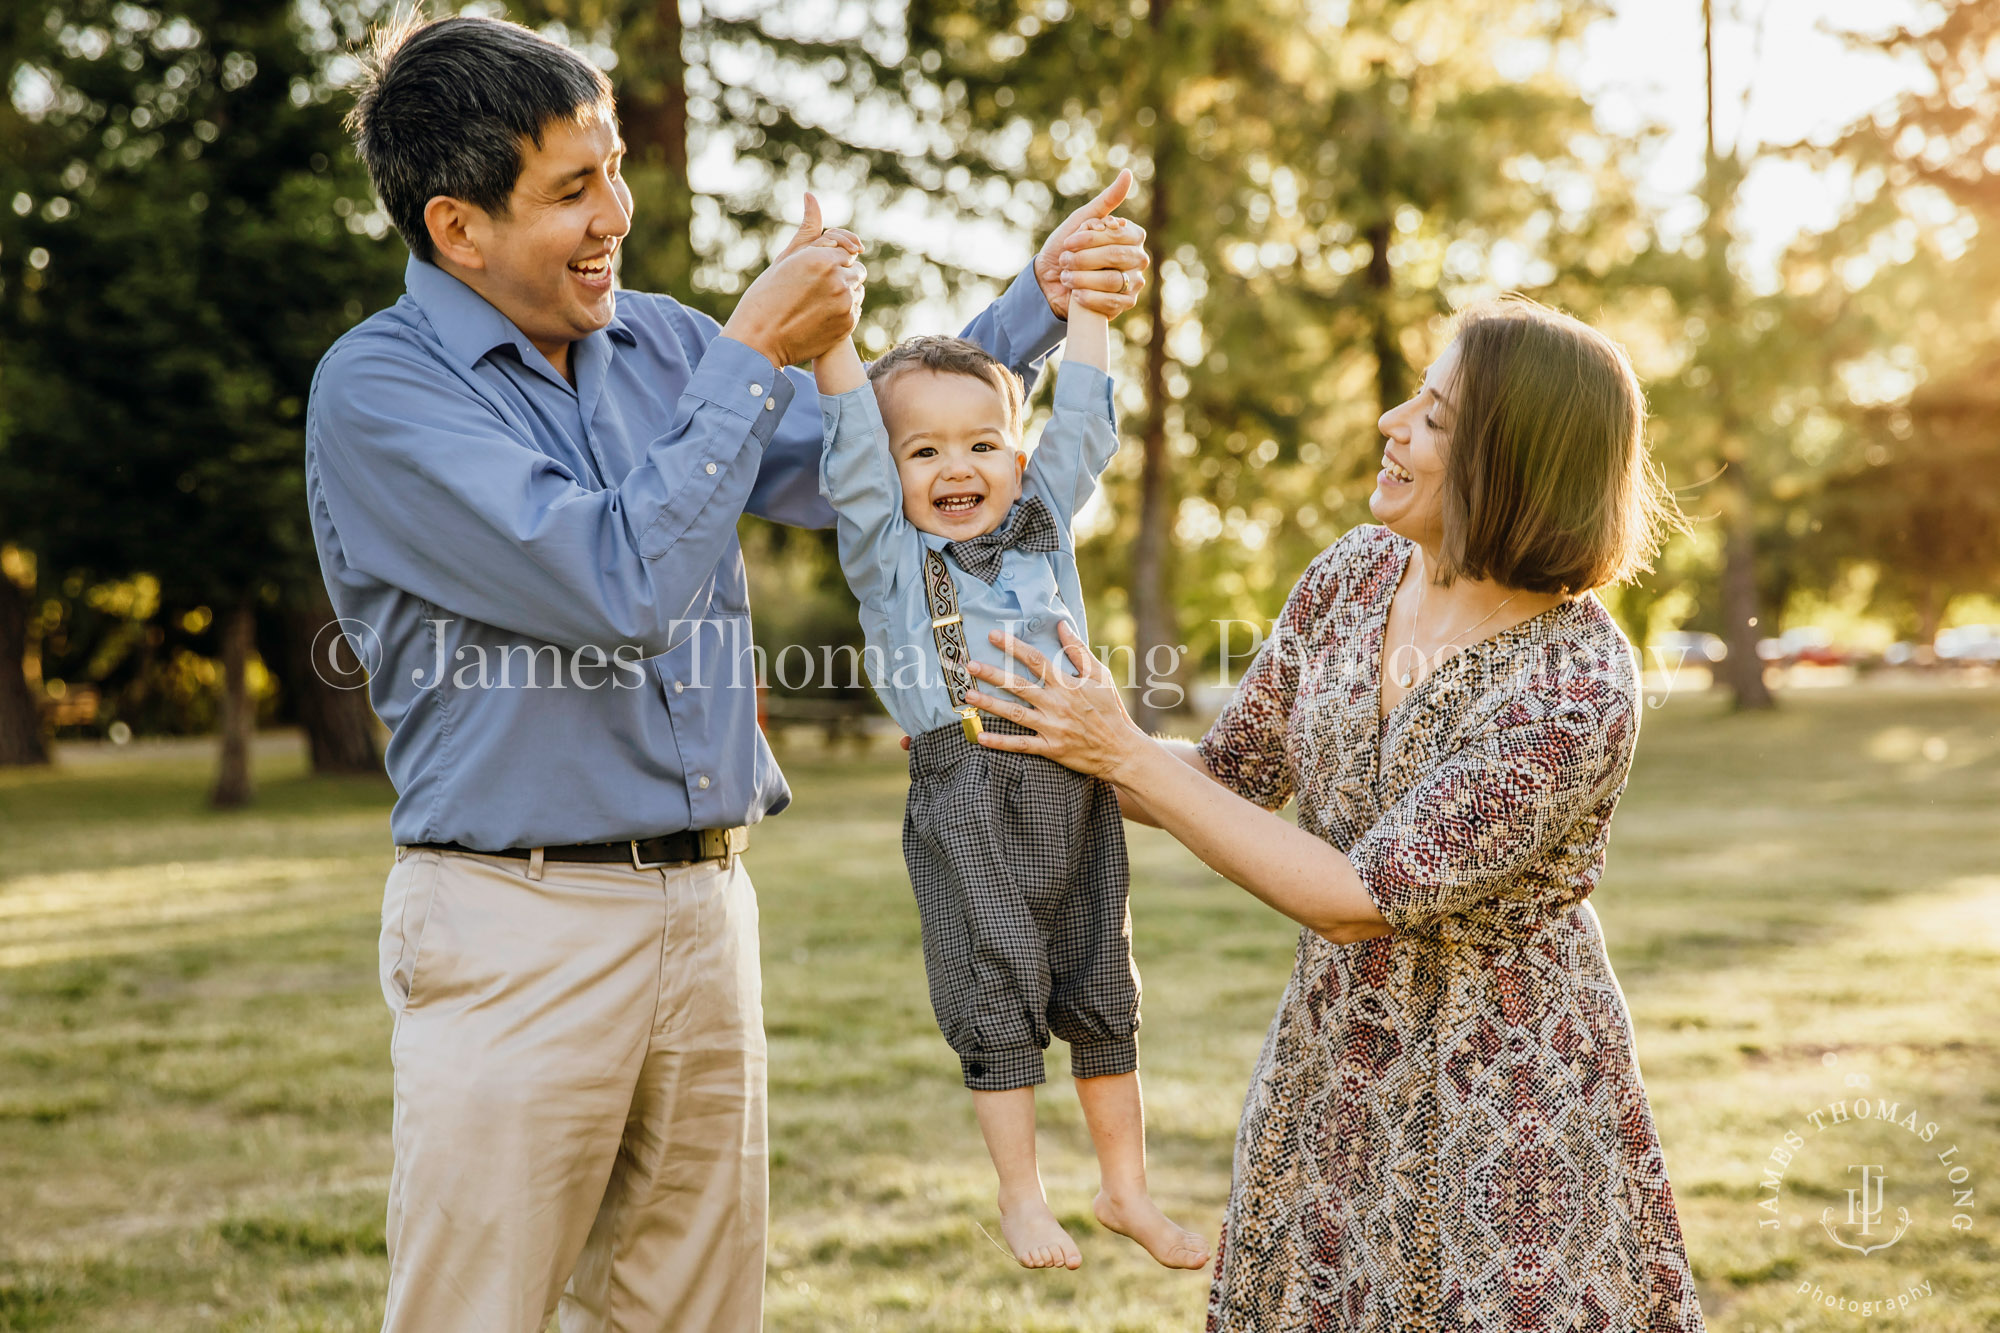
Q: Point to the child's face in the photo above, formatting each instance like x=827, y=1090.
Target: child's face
x=960, y=463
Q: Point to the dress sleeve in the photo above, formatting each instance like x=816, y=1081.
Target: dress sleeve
x=1482, y=815
x=1245, y=748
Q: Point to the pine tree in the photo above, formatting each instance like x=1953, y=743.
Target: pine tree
x=177, y=263
x=1917, y=499
x=1317, y=190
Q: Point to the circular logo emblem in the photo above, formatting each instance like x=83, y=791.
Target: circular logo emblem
x=1863, y=1189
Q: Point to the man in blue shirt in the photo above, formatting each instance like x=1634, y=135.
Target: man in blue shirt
x=524, y=488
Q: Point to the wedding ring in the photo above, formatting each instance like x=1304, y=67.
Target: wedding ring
x=1124, y=284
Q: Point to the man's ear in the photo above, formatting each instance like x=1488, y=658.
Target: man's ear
x=454, y=226
x=1020, y=462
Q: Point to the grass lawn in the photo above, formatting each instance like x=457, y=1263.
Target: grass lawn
x=1803, y=908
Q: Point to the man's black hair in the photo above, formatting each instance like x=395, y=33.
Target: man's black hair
x=444, y=106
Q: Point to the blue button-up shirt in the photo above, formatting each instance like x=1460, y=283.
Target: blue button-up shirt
x=544, y=578
x=882, y=552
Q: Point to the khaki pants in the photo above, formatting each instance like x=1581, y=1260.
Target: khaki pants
x=579, y=1075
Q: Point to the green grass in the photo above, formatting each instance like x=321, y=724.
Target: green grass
x=194, y=1090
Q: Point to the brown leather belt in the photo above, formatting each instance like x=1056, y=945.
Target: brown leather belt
x=669, y=849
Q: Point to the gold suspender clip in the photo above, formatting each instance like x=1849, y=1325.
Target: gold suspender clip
x=968, y=717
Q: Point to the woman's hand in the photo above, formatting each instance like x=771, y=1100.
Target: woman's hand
x=1079, y=721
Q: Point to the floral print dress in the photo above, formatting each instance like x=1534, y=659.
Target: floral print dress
x=1446, y=1128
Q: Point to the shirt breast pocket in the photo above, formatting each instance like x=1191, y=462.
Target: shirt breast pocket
x=729, y=594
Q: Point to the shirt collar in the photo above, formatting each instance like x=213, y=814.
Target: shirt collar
x=467, y=323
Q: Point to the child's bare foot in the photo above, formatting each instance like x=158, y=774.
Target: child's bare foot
x=1139, y=1218
x=1036, y=1238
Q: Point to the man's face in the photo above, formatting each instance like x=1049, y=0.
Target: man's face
x=548, y=260
x=959, y=462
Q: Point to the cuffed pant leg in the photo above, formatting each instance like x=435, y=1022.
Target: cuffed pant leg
x=523, y=1014
x=984, y=952
x=1004, y=1070
x=679, y=1243
x=1103, y=1059
x=1094, y=985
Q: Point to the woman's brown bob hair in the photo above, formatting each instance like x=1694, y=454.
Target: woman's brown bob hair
x=1547, y=484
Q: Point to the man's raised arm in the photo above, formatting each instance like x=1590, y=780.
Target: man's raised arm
x=432, y=492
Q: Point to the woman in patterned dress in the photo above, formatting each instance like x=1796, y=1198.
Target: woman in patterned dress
x=1446, y=1129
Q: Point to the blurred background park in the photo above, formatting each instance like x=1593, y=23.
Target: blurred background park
x=1788, y=210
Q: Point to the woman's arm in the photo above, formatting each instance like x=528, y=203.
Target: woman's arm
x=1081, y=722
x=1134, y=808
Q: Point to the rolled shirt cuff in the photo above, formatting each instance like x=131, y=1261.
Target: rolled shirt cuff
x=1081, y=388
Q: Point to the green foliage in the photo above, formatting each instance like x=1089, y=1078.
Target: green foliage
x=177, y=263
x=1322, y=186
x=1916, y=500
x=183, y=230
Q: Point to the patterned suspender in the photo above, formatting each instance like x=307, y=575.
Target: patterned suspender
x=948, y=632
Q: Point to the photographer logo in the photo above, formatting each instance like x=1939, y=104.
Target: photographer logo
x=1905, y=1184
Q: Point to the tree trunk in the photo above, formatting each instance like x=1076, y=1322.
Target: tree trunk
x=238, y=719
x=1391, y=373
x=652, y=107
x=21, y=739
x=329, y=688
x=1742, y=627
x=1153, y=621
x=1742, y=668
x=1930, y=614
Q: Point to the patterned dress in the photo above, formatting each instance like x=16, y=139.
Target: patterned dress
x=1446, y=1129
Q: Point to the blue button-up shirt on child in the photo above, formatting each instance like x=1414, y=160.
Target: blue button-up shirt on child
x=882, y=552
x=544, y=578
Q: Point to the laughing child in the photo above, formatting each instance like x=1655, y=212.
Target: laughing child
x=948, y=530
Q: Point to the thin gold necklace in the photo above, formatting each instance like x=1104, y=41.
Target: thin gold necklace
x=1408, y=678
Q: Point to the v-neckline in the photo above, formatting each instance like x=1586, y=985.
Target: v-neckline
x=1382, y=719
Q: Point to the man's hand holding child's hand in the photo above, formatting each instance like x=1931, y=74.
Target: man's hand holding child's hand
x=808, y=300
x=1102, y=267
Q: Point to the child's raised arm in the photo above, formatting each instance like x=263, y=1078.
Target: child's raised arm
x=1082, y=433
x=840, y=370
x=1088, y=342
x=858, y=477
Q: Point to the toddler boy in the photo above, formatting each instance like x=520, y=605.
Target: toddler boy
x=948, y=529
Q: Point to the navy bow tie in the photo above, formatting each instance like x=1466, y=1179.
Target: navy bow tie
x=1029, y=527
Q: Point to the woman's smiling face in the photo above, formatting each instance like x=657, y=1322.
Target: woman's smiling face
x=1409, y=490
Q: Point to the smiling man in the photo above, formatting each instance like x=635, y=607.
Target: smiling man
x=524, y=487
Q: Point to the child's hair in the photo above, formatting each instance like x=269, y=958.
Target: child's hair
x=951, y=356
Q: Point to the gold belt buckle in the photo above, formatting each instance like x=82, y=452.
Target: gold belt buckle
x=968, y=717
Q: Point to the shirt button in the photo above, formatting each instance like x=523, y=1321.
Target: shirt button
x=702, y=782
x=756, y=391
x=678, y=687
x=711, y=469
x=770, y=403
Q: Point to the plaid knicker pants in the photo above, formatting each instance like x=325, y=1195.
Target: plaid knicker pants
x=1021, y=882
